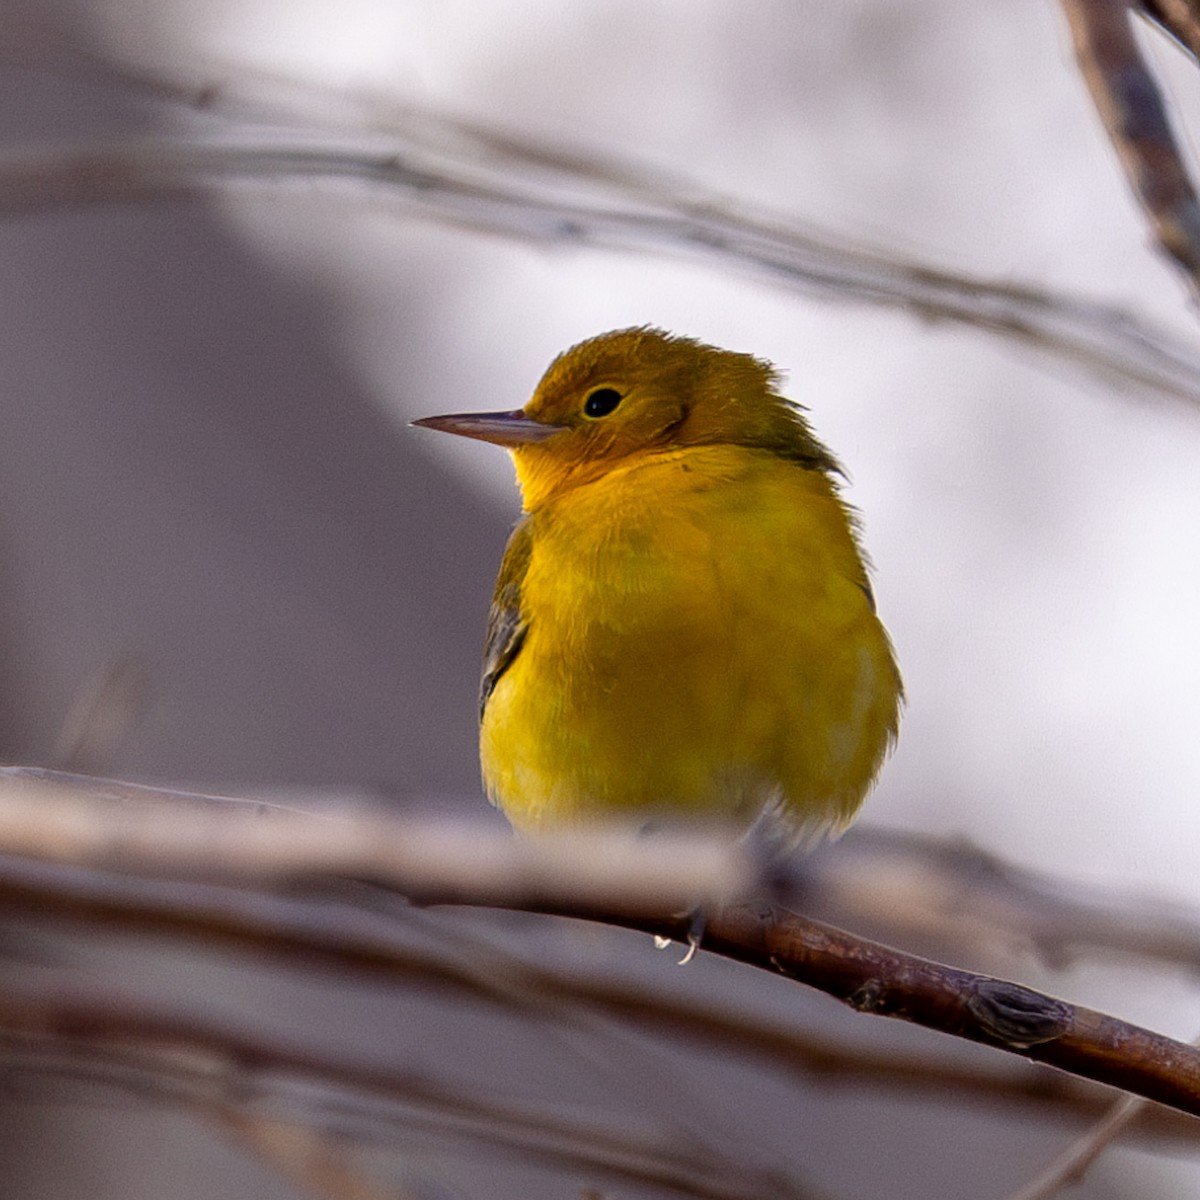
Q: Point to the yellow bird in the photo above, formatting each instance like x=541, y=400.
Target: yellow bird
x=683, y=627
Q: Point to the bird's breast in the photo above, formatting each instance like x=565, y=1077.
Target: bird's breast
x=689, y=617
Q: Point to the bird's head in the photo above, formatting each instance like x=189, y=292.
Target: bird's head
x=634, y=392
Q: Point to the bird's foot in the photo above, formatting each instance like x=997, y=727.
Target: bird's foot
x=692, y=938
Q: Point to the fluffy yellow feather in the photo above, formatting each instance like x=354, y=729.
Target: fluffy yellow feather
x=682, y=628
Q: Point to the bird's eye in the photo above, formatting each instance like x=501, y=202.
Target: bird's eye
x=601, y=402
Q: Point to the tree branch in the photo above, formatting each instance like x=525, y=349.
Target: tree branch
x=225, y=1074
x=530, y=193
x=83, y=830
x=1130, y=105
x=875, y=979
x=1178, y=18
x=1071, y=1166
x=908, y=886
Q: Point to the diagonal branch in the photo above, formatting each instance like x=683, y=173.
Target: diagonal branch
x=74, y=832
x=1179, y=18
x=876, y=979
x=1070, y=1167
x=1131, y=106
x=225, y=1072
x=914, y=888
x=519, y=191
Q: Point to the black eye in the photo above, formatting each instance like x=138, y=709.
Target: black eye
x=601, y=402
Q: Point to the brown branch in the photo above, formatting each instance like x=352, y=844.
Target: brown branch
x=1131, y=107
x=61, y=826
x=876, y=979
x=523, y=192
x=1179, y=18
x=907, y=886
x=833, y=1064
x=216, y=1069
x=301, y=930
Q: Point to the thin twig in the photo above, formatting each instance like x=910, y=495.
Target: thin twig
x=1072, y=1166
x=101, y=713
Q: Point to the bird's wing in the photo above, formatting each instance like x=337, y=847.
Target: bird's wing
x=507, y=626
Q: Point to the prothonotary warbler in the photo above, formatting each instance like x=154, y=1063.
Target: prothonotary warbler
x=683, y=627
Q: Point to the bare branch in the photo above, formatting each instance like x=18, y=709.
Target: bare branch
x=219, y=1070
x=1069, y=1169
x=915, y=887
x=836, y=1065
x=100, y=715
x=1131, y=107
x=876, y=979
x=313, y=1158
x=1179, y=18
x=907, y=885
x=59, y=825
x=451, y=170
x=522, y=191
x=307, y=930
x=68, y=819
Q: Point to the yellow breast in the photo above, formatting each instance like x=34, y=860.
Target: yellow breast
x=698, y=641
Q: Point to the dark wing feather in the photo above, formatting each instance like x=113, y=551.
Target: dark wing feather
x=507, y=626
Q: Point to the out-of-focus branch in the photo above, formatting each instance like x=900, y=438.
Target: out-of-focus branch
x=447, y=169
x=903, y=885
x=1179, y=18
x=99, y=1016
x=71, y=820
x=908, y=886
x=101, y=712
x=1131, y=107
x=459, y=175
x=306, y=929
x=218, y=1070
x=315, y=1159
x=1070, y=1167
x=836, y=1065
x=49, y=821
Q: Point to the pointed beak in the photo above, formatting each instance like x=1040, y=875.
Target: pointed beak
x=509, y=429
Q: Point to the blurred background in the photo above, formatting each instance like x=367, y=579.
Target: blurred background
x=208, y=493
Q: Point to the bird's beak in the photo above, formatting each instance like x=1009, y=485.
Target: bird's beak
x=510, y=429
